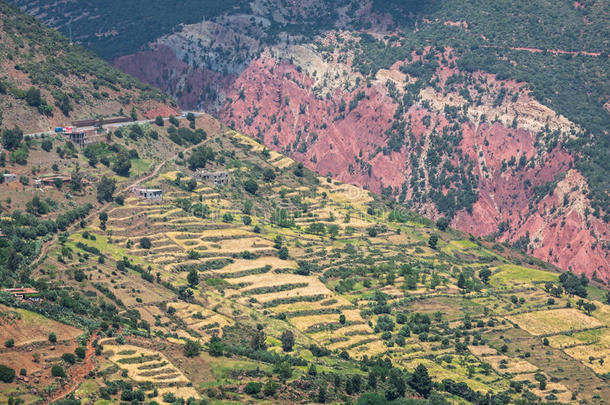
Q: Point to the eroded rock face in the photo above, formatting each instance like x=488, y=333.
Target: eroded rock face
x=467, y=146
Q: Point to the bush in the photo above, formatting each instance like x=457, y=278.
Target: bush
x=145, y=243
x=7, y=374
x=191, y=348
x=253, y=388
x=81, y=352
x=250, y=186
x=58, y=371
x=52, y=337
x=68, y=358
x=10, y=342
x=46, y=145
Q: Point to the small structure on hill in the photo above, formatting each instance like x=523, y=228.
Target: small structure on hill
x=148, y=193
x=84, y=138
x=24, y=293
x=9, y=177
x=220, y=178
x=52, y=180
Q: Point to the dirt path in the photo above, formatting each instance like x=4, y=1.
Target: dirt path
x=45, y=247
x=77, y=375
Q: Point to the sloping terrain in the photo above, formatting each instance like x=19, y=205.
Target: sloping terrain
x=279, y=287
x=492, y=114
x=45, y=81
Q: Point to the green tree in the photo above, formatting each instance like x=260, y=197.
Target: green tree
x=442, y=224
x=11, y=138
x=122, y=164
x=191, y=348
x=159, y=121
x=420, y=381
x=58, y=371
x=250, y=186
x=461, y=281
x=433, y=241
x=52, y=337
x=193, y=278
x=145, y=243
x=7, y=374
x=287, y=339
x=200, y=157
x=484, y=275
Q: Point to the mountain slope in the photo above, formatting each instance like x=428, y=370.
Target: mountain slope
x=508, y=68
x=45, y=81
x=278, y=287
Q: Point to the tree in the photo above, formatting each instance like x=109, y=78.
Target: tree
x=52, y=337
x=461, y=281
x=191, y=348
x=58, y=371
x=200, y=157
x=7, y=374
x=81, y=352
x=250, y=186
x=46, y=145
x=174, y=121
x=442, y=223
x=9, y=343
x=193, y=278
x=145, y=243
x=258, y=339
x=11, y=138
x=253, y=387
x=484, y=275
x=420, y=381
x=122, y=164
x=283, y=253
x=269, y=174
x=432, y=241
x=33, y=98
x=159, y=121
x=287, y=339
x=322, y=395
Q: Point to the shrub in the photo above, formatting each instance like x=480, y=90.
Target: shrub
x=58, y=371
x=52, y=337
x=145, y=243
x=253, y=388
x=250, y=186
x=10, y=342
x=7, y=374
x=68, y=358
x=81, y=352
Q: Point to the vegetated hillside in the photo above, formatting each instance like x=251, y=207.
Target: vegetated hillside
x=45, y=81
x=281, y=286
x=520, y=90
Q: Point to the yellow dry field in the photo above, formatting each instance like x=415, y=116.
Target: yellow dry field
x=482, y=350
x=337, y=301
x=187, y=312
x=597, y=351
x=304, y=322
x=239, y=245
x=272, y=279
x=602, y=313
x=179, y=392
x=243, y=264
x=513, y=365
x=154, y=366
x=561, y=341
x=554, y=321
x=360, y=330
x=310, y=290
